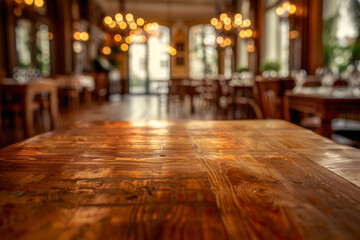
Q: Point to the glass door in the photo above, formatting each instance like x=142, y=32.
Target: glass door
x=149, y=63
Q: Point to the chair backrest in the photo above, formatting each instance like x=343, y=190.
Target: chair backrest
x=271, y=95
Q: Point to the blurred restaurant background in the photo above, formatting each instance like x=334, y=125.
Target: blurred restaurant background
x=69, y=61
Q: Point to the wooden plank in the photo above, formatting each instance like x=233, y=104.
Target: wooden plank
x=262, y=179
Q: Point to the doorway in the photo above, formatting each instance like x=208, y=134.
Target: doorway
x=149, y=63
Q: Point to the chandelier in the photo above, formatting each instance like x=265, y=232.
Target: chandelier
x=286, y=9
x=228, y=26
x=126, y=29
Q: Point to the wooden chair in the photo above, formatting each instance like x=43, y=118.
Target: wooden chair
x=68, y=90
x=270, y=94
x=101, y=87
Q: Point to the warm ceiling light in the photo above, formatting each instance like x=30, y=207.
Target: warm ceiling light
x=155, y=25
x=128, y=40
x=108, y=20
x=237, y=22
x=84, y=36
x=219, y=39
x=51, y=36
x=140, y=21
x=129, y=17
x=123, y=25
x=118, y=17
x=117, y=37
x=247, y=22
x=238, y=16
x=106, y=50
x=248, y=33
x=18, y=1
x=112, y=24
x=227, y=21
x=242, y=34
x=39, y=3
x=77, y=36
x=17, y=11
x=227, y=41
x=286, y=6
x=227, y=27
x=133, y=26
x=292, y=9
x=214, y=21
x=124, y=47
x=29, y=2
x=218, y=25
x=223, y=16
x=279, y=11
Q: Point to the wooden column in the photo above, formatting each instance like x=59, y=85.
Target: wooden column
x=257, y=15
x=309, y=23
x=2, y=39
x=63, y=37
x=221, y=61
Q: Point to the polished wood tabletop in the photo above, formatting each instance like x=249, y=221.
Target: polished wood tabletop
x=253, y=179
x=327, y=106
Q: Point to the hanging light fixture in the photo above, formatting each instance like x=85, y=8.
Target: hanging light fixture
x=229, y=25
x=285, y=9
x=126, y=29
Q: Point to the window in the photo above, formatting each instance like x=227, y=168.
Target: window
x=203, y=57
x=341, y=33
x=277, y=40
x=149, y=62
x=22, y=36
x=43, y=49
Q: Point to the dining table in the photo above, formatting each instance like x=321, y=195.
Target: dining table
x=327, y=103
x=248, y=179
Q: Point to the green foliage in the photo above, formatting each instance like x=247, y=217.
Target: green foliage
x=336, y=56
x=242, y=69
x=270, y=65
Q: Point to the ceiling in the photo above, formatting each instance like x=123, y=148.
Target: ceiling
x=166, y=9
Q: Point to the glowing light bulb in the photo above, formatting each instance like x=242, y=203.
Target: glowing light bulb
x=247, y=22
x=214, y=21
x=118, y=17
x=286, y=6
x=123, y=25
x=238, y=16
x=248, y=33
x=223, y=16
x=140, y=21
x=117, y=37
x=129, y=17
x=39, y=3
x=106, y=50
x=218, y=25
x=279, y=11
x=29, y=2
x=292, y=9
x=124, y=47
x=108, y=20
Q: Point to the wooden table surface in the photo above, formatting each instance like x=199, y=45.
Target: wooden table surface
x=326, y=106
x=260, y=179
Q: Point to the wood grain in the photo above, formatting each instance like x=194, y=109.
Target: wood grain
x=261, y=179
